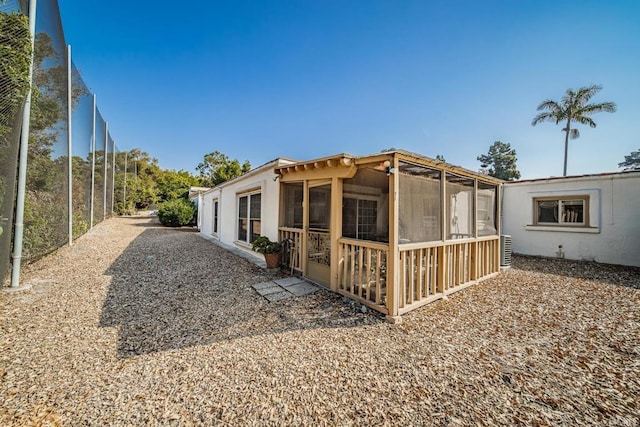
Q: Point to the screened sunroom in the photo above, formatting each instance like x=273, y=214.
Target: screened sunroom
x=393, y=231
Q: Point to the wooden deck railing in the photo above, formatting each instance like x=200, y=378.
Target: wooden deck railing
x=293, y=253
x=423, y=278
x=362, y=273
x=426, y=271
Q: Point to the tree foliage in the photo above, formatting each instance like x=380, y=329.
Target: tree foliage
x=217, y=168
x=175, y=185
x=15, y=58
x=631, y=162
x=500, y=161
x=573, y=107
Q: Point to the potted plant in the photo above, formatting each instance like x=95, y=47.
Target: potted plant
x=270, y=250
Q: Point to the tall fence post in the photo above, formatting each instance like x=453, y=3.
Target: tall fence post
x=22, y=165
x=124, y=190
x=69, y=146
x=113, y=176
x=93, y=162
x=105, y=173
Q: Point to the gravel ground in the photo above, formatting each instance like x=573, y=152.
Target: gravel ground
x=141, y=325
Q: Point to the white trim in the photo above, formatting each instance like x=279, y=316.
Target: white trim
x=215, y=214
x=247, y=194
x=560, y=228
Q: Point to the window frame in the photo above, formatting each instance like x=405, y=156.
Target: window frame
x=248, y=218
x=216, y=216
x=560, y=200
x=358, y=198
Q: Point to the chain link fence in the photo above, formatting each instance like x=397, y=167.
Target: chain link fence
x=71, y=160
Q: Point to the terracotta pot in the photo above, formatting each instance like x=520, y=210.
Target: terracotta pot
x=272, y=260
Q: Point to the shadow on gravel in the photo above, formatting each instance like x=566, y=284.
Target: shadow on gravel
x=171, y=289
x=605, y=273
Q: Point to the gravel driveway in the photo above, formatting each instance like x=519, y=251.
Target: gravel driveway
x=142, y=325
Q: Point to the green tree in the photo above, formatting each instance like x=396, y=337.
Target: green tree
x=175, y=185
x=143, y=174
x=500, y=161
x=572, y=108
x=631, y=162
x=15, y=58
x=218, y=168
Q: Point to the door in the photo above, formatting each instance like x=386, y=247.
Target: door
x=318, y=234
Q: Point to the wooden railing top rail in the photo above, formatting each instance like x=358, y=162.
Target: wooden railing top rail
x=437, y=243
x=364, y=243
x=484, y=238
x=295, y=230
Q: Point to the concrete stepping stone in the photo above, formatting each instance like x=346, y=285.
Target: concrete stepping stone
x=303, y=288
x=277, y=296
x=263, y=285
x=289, y=281
x=273, y=289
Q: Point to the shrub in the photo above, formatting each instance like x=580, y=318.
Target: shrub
x=176, y=213
x=124, y=208
x=265, y=246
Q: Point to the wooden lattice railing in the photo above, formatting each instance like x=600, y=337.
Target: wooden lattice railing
x=292, y=256
x=362, y=273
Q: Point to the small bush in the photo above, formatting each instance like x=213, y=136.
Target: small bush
x=125, y=209
x=176, y=213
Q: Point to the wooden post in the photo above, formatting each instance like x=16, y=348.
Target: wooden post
x=473, y=269
x=305, y=227
x=336, y=231
x=442, y=269
x=393, y=282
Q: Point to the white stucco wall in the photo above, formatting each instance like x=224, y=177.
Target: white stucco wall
x=206, y=211
x=260, y=179
x=613, y=235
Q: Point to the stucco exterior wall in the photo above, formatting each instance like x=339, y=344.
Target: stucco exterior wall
x=613, y=232
x=260, y=179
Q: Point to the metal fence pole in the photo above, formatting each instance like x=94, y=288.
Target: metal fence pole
x=124, y=191
x=105, y=173
x=113, y=176
x=93, y=161
x=69, y=146
x=22, y=165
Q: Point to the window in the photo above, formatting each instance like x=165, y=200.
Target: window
x=215, y=216
x=486, y=211
x=565, y=211
x=320, y=207
x=292, y=205
x=365, y=205
x=359, y=218
x=460, y=209
x=420, y=218
x=249, y=225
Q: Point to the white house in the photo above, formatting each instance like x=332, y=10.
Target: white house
x=240, y=210
x=588, y=217
x=393, y=230
x=195, y=195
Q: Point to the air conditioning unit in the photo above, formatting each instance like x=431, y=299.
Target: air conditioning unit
x=505, y=251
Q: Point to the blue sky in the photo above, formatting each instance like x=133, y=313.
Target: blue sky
x=304, y=79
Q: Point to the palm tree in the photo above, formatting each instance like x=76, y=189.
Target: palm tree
x=572, y=107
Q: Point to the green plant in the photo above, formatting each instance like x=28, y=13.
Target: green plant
x=265, y=246
x=123, y=208
x=176, y=213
